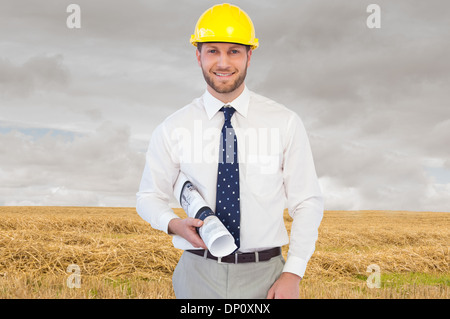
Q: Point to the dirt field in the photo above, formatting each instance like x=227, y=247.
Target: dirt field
x=47, y=252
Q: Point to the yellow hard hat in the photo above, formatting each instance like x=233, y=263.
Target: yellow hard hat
x=225, y=23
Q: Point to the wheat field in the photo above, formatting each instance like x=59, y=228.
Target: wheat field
x=116, y=254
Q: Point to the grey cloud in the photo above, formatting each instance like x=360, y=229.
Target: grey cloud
x=39, y=72
x=377, y=177
x=100, y=163
x=115, y=23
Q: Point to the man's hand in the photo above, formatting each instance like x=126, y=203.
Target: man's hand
x=186, y=229
x=286, y=287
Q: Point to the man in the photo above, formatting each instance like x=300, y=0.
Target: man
x=250, y=158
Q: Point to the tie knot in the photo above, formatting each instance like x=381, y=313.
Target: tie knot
x=228, y=112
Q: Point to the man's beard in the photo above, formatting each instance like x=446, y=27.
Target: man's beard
x=228, y=88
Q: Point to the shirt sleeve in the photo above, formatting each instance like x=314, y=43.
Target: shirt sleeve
x=304, y=197
x=156, y=188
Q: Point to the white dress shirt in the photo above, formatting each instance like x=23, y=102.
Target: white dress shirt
x=276, y=171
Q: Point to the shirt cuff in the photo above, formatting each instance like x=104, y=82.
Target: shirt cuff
x=295, y=265
x=165, y=219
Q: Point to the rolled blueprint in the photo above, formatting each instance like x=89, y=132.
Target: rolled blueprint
x=216, y=237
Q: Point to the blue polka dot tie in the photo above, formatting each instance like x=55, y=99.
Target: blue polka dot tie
x=227, y=197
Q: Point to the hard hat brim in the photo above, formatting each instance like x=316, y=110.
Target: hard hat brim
x=194, y=41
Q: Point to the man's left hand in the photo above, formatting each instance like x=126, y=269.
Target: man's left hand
x=286, y=287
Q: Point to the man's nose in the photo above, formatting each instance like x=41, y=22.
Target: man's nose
x=223, y=61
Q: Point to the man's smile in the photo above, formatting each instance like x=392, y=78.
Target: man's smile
x=223, y=74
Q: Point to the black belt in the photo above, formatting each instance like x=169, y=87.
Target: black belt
x=239, y=258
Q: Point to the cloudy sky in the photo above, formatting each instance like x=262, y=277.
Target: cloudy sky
x=78, y=106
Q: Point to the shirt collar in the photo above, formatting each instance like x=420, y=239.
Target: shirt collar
x=213, y=105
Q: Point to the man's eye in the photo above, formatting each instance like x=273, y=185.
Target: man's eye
x=212, y=51
x=234, y=51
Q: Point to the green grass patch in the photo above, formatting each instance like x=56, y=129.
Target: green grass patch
x=124, y=285
x=426, y=279
x=411, y=278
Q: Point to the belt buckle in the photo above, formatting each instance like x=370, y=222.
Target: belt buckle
x=256, y=257
x=219, y=260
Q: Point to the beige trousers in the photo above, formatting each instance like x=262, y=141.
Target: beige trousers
x=199, y=277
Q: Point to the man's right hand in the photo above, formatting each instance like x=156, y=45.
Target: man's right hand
x=186, y=229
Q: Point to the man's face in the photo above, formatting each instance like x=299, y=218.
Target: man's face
x=224, y=65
